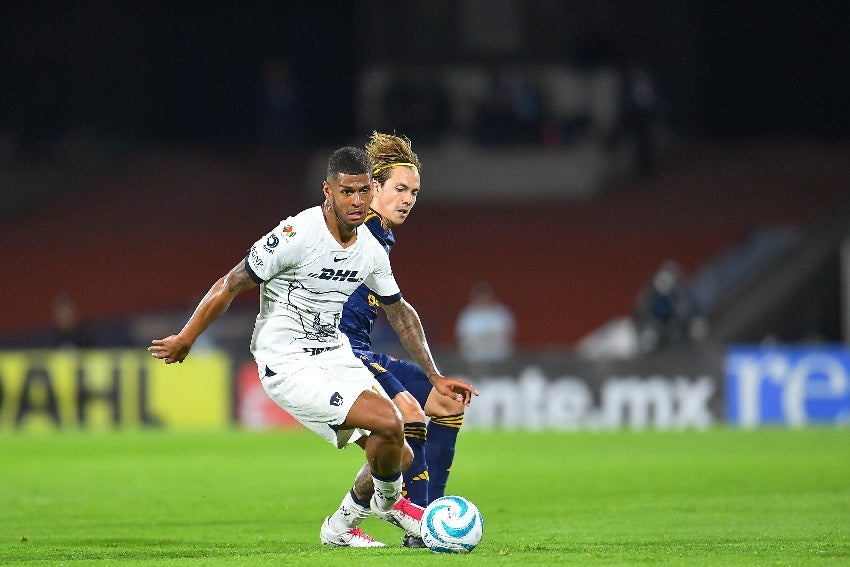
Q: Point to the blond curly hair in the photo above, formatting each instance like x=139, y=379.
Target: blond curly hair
x=389, y=150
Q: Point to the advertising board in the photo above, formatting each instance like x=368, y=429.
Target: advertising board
x=787, y=385
x=90, y=389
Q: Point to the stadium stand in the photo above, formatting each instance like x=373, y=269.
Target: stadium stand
x=153, y=234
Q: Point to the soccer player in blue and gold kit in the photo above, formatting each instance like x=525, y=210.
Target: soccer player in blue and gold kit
x=396, y=181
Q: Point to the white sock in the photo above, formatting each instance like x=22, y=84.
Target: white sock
x=349, y=514
x=387, y=491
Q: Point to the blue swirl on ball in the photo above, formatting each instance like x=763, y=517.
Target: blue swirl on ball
x=445, y=537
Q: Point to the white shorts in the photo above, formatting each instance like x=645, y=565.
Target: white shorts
x=319, y=390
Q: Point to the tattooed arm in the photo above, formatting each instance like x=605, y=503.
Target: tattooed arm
x=175, y=348
x=408, y=327
x=404, y=319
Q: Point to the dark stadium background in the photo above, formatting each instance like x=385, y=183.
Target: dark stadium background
x=133, y=177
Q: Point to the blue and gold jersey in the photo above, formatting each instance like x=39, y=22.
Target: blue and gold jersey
x=361, y=309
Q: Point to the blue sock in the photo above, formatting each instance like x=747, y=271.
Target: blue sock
x=416, y=477
x=440, y=452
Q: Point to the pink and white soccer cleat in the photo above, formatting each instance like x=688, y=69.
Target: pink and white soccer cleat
x=404, y=514
x=355, y=537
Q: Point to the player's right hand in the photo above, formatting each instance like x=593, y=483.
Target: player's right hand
x=171, y=349
x=454, y=388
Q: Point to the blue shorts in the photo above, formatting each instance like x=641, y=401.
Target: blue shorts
x=396, y=376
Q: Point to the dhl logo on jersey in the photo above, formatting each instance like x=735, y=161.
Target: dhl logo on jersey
x=337, y=275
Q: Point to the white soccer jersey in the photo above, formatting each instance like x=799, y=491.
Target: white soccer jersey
x=306, y=278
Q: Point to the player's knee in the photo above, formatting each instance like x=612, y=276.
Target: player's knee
x=443, y=406
x=410, y=409
x=413, y=414
x=389, y=426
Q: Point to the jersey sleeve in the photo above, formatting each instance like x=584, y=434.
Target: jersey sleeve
x=382, y=281
x=272, y=253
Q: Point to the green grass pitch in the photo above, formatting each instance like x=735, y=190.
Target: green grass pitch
x=720, y=497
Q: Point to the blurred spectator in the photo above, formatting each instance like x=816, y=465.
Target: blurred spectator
x=417, y=105
x=526, y=104
x=507, y=109
x=666, y=312
x=492, y=121
x=640, y=111
x=280, y=106
x=69, y=330
x=485, y=329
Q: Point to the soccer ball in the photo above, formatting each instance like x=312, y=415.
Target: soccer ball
x=452, y=524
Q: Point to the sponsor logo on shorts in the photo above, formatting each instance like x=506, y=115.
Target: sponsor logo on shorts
x=377, y=367
x=336, y=399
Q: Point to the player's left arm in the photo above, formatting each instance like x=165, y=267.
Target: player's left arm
x=407, y=325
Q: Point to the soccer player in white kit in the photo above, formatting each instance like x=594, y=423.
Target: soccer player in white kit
x=306, y=268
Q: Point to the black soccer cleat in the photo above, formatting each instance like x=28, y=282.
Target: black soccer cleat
x=412, y=541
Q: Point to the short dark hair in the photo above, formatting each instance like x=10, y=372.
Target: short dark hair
x=349, y=161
